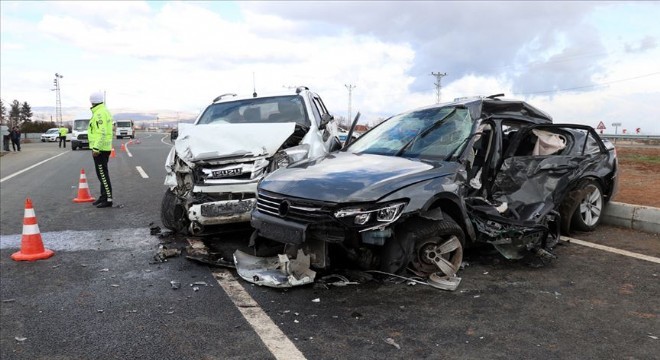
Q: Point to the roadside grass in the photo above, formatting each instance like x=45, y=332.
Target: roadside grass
x=639, y=158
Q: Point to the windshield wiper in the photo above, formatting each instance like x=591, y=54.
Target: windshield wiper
x=425, y=132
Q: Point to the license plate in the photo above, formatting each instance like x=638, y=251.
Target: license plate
x=228, y=208
x=282, y=233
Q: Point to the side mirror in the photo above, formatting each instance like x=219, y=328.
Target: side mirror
x=325, y=119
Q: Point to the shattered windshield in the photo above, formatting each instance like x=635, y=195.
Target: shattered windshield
x=429, y=133
x=280, y=109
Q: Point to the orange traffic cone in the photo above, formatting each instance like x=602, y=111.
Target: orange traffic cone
x=112, y=153
x=83, y=189
x=123, y=147
x=32, y=248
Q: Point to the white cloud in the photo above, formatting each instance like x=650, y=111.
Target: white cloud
x=179, y=55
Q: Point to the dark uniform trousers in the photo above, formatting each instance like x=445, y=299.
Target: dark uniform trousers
x=101, y=165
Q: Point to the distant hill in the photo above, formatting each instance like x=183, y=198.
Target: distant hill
x=162, y=118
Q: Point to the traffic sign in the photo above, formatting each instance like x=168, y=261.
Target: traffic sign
x=601, y=126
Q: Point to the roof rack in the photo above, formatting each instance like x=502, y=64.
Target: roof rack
x=223, y=95
x=299, y=89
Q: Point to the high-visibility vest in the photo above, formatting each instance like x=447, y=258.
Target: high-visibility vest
x=63, y=131
x=99, y=130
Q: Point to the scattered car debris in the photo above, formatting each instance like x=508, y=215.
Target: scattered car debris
x=175, y=284
x=278, y=271
x=317, y=300
x=340, y=280
x=391, y=341
x=449, y=283
x=104, y=270
x=195, y=288
x=20, y=339
x=164, y=253
x=199, y=283
x=8, y=300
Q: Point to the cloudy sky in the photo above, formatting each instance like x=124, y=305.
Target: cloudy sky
x=582, y=62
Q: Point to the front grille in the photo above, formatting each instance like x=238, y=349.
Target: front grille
x=301, y=210
x=82, y=137
x=219, y=174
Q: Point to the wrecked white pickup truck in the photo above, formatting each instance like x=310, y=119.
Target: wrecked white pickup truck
x=215, y=164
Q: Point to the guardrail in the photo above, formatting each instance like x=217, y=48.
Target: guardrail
x=633, y=139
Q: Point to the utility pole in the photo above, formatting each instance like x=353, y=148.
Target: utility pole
x=350, y=88
x=58, y=99
x=438, y=85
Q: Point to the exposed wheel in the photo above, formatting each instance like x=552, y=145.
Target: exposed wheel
x=428, y=246
x=588, y=213
x=172, y=213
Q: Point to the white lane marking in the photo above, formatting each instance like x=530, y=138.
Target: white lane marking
x=29, y=168
x=274, y=339
x=612, y=250
x=128, y=152
x=142, y=173
x=169, y=143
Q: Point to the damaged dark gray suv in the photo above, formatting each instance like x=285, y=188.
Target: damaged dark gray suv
x=419, y=187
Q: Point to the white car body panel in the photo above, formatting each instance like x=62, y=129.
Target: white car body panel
x=213, y=141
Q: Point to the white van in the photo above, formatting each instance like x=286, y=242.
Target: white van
x=124, y=128
x=79, y=134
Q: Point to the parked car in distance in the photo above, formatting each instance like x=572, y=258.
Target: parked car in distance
x=418, y=188
x=51, y=135
x=215, y=164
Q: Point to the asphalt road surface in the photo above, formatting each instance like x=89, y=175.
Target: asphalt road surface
x=103, y=295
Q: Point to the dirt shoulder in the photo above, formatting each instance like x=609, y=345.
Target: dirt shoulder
x=639, y=175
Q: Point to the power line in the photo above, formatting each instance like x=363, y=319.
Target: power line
x=588, y=86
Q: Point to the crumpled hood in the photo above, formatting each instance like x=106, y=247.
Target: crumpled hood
x=213, y=141
x=347, y=177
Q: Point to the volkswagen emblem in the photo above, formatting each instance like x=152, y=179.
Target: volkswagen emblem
x=283, y=210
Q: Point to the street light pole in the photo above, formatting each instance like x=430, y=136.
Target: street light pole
x=350, y=88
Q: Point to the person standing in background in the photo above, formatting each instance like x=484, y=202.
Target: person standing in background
x=15, y=137
x=63, y=131
x=100, y=134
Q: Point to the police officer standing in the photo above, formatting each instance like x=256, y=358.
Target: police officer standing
x=99, y=132
x=63, y=131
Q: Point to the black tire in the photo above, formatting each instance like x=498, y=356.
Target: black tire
x=420, y=240
x=172, y=213
x=589, y=211
x=73, y=147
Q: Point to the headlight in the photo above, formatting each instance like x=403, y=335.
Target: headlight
x=290, y=156
x=259, y=168
x=371, y=217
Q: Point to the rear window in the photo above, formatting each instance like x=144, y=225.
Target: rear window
x=123, y=124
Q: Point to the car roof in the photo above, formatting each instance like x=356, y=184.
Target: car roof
x=494, y=107
x=229, y=97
